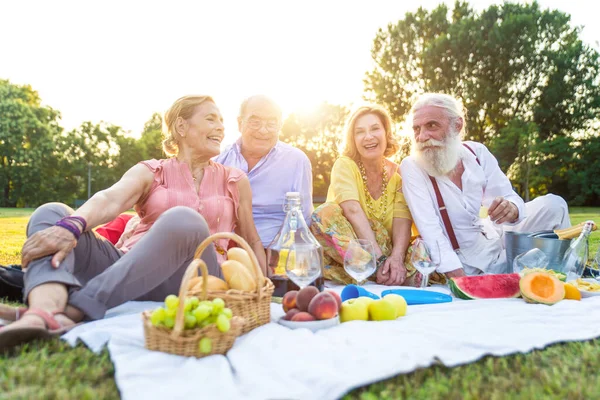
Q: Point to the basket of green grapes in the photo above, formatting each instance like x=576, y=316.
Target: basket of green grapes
x=192, y=326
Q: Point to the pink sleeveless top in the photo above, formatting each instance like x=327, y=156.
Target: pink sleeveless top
x=217, y=199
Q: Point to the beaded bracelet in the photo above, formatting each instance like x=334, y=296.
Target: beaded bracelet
x=64, y=223
x=81, y=220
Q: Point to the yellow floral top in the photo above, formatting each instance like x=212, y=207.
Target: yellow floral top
x=347, y=184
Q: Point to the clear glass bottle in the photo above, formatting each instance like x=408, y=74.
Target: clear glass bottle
x=294, y=230
x=576, y=257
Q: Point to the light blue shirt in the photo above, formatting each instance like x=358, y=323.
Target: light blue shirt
x=284, y=169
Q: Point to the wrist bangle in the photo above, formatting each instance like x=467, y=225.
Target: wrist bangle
x=81, y=220
x=380, y=261
x=70, y=227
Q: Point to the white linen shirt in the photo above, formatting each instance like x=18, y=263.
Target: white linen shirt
x=480, y=185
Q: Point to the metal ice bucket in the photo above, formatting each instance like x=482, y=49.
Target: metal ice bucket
x=520, y=242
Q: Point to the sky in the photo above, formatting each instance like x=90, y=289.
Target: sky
x=120, y=61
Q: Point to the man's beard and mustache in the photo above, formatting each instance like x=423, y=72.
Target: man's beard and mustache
x=438, y=157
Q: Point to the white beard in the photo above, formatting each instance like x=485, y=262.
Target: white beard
x=437, y=157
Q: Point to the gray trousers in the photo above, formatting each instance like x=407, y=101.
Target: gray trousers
x=98, y=276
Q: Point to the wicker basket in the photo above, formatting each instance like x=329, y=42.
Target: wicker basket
x=186, y=342
x=254, y=307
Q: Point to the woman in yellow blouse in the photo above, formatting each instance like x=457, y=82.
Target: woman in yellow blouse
x=365, y=201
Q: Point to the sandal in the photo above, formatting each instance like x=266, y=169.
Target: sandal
x=10, y=338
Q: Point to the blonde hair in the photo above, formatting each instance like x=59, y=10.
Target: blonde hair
x=348, y=146
x=184, y=107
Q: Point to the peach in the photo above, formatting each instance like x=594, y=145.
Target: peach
x=305, y=295
x=323, y=306
x=302, y=316
x=290, y=314
x=336, y=297
x=289, y=300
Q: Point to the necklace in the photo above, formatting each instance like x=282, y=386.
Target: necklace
x=384, y=183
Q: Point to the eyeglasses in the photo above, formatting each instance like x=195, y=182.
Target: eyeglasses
x=272, y=125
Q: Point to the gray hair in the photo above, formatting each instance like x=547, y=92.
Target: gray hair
x=454, y=107
x=262, y=97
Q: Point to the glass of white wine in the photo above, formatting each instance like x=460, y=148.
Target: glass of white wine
x=359, y=260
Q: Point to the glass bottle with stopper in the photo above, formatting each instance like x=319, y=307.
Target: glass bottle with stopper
x=294, y=257
x=576, y=257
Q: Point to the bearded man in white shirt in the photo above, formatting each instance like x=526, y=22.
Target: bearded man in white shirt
x=447, y=181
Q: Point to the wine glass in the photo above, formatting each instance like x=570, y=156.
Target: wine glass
x=426, y=265
x=534, y=258
x=359, y=260
x=303, y=263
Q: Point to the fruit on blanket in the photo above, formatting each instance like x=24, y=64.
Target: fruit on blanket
x=158, y=316
x=172, y=301
x=365, y=299
x=290, y=314
x=353, y=310
x=223, y=323
x=336, y=297
x=305, y=295
x=241, y=255
x=399, y=302
x=202, y=312
x=542, y=288
x=228, y=312
x=218, y=306
x=382, y=310
x=289, y=300
x=495, y=286
x=205, y=345
x=559, y=275
x=303, y=316
x=323, y=306
x=169, y=322
x=571, y=292
x=213, y=284
x=196, y=313
x=189, y=321
x=237, y=276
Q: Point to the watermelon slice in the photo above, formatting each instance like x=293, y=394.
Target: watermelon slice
x=499, y=286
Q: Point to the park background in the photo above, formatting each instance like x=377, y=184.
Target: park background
x=83, y=85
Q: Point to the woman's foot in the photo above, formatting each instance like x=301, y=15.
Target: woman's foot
x=48, y=321
x=11, y=313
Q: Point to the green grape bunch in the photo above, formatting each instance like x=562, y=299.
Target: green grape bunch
x=197, y=314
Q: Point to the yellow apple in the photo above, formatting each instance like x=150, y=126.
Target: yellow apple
x=364, y=299
x=398, y=302
x=353, y=310
x=382, y=310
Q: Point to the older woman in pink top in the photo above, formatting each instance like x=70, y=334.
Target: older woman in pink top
x=73, y=274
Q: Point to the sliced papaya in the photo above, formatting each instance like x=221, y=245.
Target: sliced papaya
x=542, y=288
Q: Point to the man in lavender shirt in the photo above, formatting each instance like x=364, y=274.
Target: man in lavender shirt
x=273, y=167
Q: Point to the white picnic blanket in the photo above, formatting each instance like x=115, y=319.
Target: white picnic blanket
x=274, y=362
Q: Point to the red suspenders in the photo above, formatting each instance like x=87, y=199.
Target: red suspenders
x=442, y=206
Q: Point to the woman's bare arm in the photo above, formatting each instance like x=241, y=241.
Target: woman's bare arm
x=245, y=223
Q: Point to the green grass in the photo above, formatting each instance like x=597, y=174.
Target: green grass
x=53, y=370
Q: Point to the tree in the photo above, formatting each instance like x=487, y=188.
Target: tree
x=102, y=146
x=151, y=140
x=318, y=134
x=27, y=147
x=511, y=64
